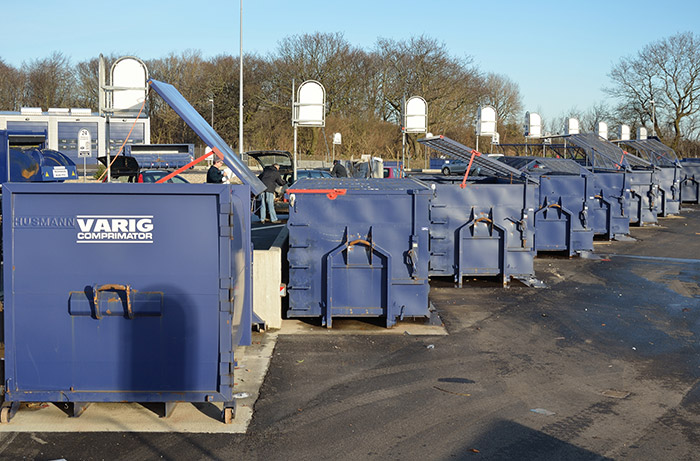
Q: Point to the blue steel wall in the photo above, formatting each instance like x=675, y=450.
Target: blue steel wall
x=645, y=200
x=453, y=208
x=562, y=222
x=319, y=228
x=195, y=259
x=690, y=180
x=611, y=207
x=669, y=180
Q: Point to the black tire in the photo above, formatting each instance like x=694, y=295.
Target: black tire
x=446, y=171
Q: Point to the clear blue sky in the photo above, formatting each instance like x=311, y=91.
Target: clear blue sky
x=558, y=52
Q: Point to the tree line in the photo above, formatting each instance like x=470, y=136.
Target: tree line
x=365, y=90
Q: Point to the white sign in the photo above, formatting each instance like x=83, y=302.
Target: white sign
x=416, y=115
x=337, y=138
x=486, y=121
x=641, y=133
x=623, y=133
x=84, y=144
x=310, y=108
x=572, y=126
x=129, y=77
x=114, y=229
x=533, y=125
x=602, y=130
x=60, y=172
x=496, y=138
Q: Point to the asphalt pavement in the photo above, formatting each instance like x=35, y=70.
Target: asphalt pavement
x=602, y=364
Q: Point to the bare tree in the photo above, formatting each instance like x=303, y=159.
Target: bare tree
x=504, y=95
x=423, y=67
x=11, y=87
x=49, y=82
x=662, y=79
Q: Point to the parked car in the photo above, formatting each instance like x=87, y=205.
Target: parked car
x=154, y=175
x=316, y=174
x=127, y=170
x=147, y=176
x=454, y=167
x=391, y=172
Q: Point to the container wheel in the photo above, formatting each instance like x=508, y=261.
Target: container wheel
x=229, y=414
x=446, y=171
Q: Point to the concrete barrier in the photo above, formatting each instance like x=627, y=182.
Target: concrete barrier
x=267, y=279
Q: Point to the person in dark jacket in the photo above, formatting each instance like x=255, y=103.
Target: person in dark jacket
x=272, y=178
x=214, y=174
x=339, y=171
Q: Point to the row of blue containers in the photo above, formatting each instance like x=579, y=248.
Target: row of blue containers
x=127, y=292
x=365, y=248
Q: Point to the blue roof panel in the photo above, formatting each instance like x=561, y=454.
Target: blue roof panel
x=200, y=126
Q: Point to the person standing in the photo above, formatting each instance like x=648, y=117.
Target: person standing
x=272, y=178
x=339, y=171
x=214, y=174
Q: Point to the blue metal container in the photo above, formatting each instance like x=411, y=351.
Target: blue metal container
x=124, y=292
x=562, y=217
x=645, y=199
x=600, y=155
x=483, y=229
x=358, y=248
x=160, y=155
x=483, y=226
x=609, y=207
x=668, y=171
x=690, y=180
x=33, y=164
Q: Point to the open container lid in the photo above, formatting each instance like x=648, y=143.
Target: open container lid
x=487, y=165
x=545, y=165
x=604, y=155
x=200, y=126
x=653, y=150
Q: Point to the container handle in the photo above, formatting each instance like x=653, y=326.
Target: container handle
x=117, y=287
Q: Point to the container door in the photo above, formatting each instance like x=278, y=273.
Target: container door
x=553, y=227
x=115, y=296
x=481, y=246
x=358, y=275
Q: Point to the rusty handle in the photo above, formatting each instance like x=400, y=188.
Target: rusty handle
x=355, y=242
x=117, y=287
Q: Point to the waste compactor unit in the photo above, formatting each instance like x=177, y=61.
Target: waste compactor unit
x=668, y=171
x=609, y=207
x=358, y=248
x=562, y=220
x=33, y=164
x=124, y=292
x=600, y=155
x=690, y=183
x=483, y=225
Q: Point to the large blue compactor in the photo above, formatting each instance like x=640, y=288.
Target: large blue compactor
x=128, y=292
x=358, y=248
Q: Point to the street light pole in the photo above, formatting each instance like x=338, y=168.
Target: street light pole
x=653, y=118
x=211, y=100
x=240, y=88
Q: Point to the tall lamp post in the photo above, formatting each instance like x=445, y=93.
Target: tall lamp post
x=211, y=100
